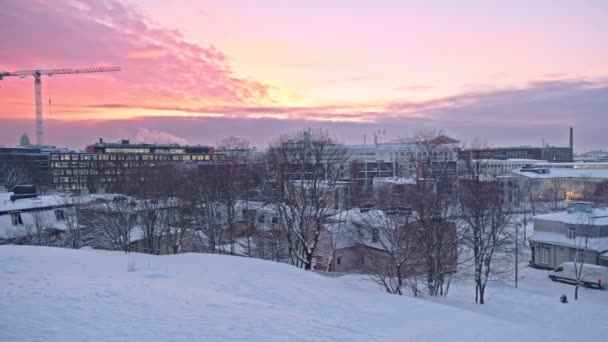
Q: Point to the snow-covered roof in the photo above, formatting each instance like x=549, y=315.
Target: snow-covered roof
x=597, y=217
x=566, y=173
x=346, y=225
x=28, y=203
x=598, y=244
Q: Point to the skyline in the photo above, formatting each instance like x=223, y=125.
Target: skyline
x=201, y=71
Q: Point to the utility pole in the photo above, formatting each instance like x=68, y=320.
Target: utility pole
x=516, y=252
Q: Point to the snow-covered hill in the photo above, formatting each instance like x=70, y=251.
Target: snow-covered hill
x=52, y=294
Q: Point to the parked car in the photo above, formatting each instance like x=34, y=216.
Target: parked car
x=591, y=275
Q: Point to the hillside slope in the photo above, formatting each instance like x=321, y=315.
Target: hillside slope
x=54, y=294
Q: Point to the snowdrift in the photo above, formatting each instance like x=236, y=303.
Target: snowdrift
x=53, y=294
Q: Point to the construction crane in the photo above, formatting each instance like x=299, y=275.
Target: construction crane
x=37, y=74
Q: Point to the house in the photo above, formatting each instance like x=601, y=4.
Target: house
x=33, y=219
x=361, y=242
x=558, y=236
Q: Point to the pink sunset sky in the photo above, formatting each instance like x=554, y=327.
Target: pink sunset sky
x=509, y=72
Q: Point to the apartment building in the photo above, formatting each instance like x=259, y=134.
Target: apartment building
x=103, y=166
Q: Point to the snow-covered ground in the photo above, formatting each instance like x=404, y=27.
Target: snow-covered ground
x=52, y=294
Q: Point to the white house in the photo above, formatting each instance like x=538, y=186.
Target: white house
x=25, y=217
x=558, y=236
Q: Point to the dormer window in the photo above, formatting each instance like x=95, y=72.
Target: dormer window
x=16, y=219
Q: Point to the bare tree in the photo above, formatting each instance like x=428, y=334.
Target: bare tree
x=303, y=171
x=13, y=174
x=487, y=221
x=392, y=249
x=39, y=228
x=111, y=223
x=74, y=235
x=600, y=193
x=431, y=161
x=233, y=143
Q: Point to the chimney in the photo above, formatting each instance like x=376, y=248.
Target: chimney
x=572, y=137
x=101, y=140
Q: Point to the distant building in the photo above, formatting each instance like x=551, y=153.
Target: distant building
x=495, y=167
x=367, y=162
x=103, y=166
x=555, y=184
x=549, y=153
x=558, y=236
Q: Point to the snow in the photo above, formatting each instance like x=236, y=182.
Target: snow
x=52, y=294
x=598, y=244
x=566, y=173
x=6, y=205
x=598, y=217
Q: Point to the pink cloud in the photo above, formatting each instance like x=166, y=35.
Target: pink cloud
x=158, y=65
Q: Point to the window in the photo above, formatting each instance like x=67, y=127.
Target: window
x=544, y=255
x=275, y=220
x=339, y=261
x=261, y=219
x=59, y=215
x=362, y=260
x=375, y=235
x=571, y=232
x=16, y=218
x=559, y=269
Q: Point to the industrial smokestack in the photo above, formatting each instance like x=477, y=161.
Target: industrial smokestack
x=572, y=137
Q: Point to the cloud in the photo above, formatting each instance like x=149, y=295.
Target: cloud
x=526, y=115
x=145, y=135
x=157, y=64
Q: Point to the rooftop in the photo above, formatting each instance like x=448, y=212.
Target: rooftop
x=598, y=244
x=596, y=216
x=566, y=173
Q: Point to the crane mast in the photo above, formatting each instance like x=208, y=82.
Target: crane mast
x=37, y=74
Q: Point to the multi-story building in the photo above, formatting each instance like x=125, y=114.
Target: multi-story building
x=558, y=237
x=103, y=166
x=367, y=162
x=496, y=167
x=555, y=184
x=550, y=154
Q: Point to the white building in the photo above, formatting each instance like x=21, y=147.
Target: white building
x=555, y=184
x=558, y=236
x=395, y=159
x=41, y=215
